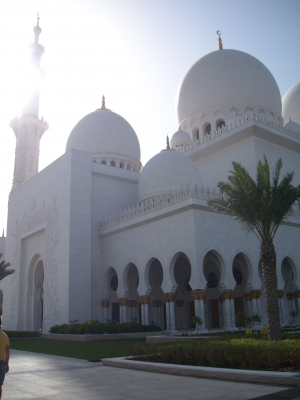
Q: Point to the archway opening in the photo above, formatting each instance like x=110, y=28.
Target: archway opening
x=132, y=283
x=157, y=310
x=212, y=273
x=38, y=297
x=240, y=273
x=184, y=303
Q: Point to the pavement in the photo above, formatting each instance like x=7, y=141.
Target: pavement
x=45, y=377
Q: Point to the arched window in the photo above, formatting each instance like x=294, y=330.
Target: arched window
x=237, y=276
x=129, y=167
x=121, y=165
x=220, y=124
x=114, y=283
x=113, y=163
x=212, y=281
x=103, y=162
x=195, y=133
x=206, y=129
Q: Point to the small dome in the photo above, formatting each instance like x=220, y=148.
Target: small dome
x=292, y=126
x=165, y=172
x=291, y=104
x=180, y=138
x=105, y=133
x=227, y=78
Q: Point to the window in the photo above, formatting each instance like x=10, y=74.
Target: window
x=113, y=163
x=129, y=167
x=206, y=129
x=121, y=165
x=212, y=281
x=237, y=276
x=220, y=124
x=114, y=283
x=103, y=162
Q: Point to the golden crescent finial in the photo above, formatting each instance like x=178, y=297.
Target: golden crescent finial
x=219, y=33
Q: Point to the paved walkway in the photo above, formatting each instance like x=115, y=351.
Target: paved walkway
x=43, y=377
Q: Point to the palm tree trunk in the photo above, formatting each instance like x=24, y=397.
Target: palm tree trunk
x=268, y=259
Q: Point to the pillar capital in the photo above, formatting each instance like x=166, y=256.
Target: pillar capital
x=290, y=295
x=131, y=303
x=105, y=303
x=297, y=293
x=280, y=293
x=255, y=294
x=169, y=297
x=198, y=294
x=247, y=297
x=144, y=299
x=157, y=303
x=179, y=303
x=123, y=301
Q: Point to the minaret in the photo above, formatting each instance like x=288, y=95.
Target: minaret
x=29, y=128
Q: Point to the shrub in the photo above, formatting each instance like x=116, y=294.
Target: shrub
x=247, y=353
x=94, y=327
x=22, y=334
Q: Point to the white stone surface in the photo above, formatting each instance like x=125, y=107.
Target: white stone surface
x=291, y=104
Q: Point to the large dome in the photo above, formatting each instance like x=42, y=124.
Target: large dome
x=291, y=104
x=165, y=172
x=224, y=79
x=104, y=133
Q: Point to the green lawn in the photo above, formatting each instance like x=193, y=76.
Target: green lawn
x=91, y=351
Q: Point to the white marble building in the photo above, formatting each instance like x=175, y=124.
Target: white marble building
x=96, y=236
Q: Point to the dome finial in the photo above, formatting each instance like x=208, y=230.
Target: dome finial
x=3, y=233
x=103, y=103
x=220, y=40
x=37, y=29
x=168, y=144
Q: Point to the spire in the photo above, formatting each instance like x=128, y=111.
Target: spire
x=103, y=103
x=220, y=40
x=37, y=29
x=3, y=233
x=168, y=144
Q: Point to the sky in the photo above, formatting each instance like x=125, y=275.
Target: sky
x=135, y=52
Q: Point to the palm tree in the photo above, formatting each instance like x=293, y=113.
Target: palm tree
x=3, y=271
x=261, y=207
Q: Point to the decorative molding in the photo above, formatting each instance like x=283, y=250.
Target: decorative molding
x=255, y=294
x=297, y=293
x=37, y=218
x=123, y=301
x=280, y=293
x=169, y=297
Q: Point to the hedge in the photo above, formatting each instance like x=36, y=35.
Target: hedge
x=94, y=327
x=235, y=353
x=22, y=334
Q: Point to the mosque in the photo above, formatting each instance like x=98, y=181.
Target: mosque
x=96, y=235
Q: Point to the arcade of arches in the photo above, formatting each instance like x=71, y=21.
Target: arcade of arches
x=214, y=303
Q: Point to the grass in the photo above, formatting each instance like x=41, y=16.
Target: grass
x=91, y=351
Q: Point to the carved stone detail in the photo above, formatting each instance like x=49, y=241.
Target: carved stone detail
x=169, y=297
x=280, y=293
x=123, y=301
x=144, y=299
x=255, y=294
x=198, y=294
x=297, y=294
x=105, y=303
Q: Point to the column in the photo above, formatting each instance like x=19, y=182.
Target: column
x=144, y=300
x=297, y=297
x=199, y=297
x=224, y=298
x=172, y=311
x=255, y=296
x=280, y=296
x=248, y=299
x=105, y=304
x=180, y=304
x=232, y=309
x=123, y=301
x=157, y=307
x=131, y=308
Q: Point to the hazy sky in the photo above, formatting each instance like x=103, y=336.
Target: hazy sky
x=136, y=53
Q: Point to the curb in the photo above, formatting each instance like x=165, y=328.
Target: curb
x=238, y=375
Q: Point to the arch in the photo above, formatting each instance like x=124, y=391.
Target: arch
x=206, y=128
x=261, y=112
x=232, y=112
x=218, y=113
x=103, y=162
x=213, y=262
x=131, y=280
x=121, y=165
x=195, y=133
x=220, y=123
x=112, y=163
x=107, y=278
x=242, y=263
x=204, y=117
x=288, y=274
x=35, y=295
x=128, y=167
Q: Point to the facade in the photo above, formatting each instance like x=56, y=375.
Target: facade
x=96, y=236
